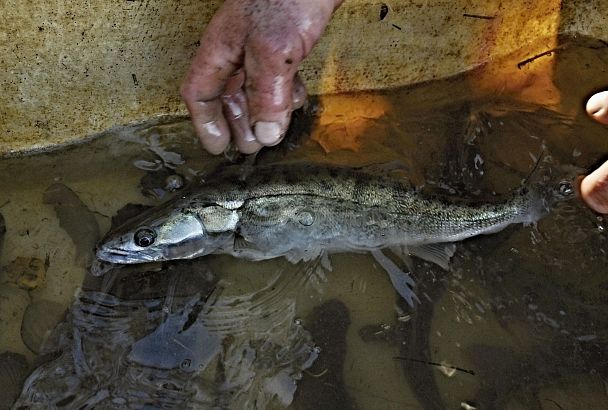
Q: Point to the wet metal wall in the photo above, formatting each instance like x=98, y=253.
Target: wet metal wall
x=73, y=69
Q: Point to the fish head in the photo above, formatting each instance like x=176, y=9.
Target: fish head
x=169, y=232
x=547, y=188
x=562, y=183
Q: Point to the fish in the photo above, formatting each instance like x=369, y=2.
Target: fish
x=303, y=211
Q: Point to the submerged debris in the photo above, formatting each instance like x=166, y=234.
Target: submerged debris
x=13, y=371
x=27, y=273
x=177, y=344
x=324, y=382
x=76, y=219
x=158, y=183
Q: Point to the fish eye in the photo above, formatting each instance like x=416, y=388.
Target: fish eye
x=565, y=188
x=144, y=237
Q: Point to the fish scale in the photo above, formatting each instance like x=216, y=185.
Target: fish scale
x=301, y=211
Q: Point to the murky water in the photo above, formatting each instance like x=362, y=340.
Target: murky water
x=518, y=321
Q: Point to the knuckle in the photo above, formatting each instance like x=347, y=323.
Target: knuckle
x=187, y=91
x=278, y=49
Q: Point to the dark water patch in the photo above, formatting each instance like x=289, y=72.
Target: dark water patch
x=324, y=381
x=13, y=371
x=76, y=219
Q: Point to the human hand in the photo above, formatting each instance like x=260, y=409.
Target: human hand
x=243, y=80
x=594, y=187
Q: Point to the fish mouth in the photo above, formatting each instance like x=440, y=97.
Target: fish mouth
x=122, y=257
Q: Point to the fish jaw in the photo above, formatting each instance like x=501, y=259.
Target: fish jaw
x=119, y=257
x=176, y=235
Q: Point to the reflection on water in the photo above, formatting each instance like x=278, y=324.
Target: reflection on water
x=518, y=321
x=180, y=350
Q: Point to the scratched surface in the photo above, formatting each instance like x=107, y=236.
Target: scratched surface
x=69, y=72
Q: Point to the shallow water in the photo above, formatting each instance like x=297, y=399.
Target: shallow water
x=518, y=321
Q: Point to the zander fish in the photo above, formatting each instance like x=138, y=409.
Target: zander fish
x=305, y=211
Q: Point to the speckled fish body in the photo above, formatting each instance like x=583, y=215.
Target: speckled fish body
x=299, y=211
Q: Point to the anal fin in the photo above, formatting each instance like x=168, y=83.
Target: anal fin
x=437, y=253
x=297, y=255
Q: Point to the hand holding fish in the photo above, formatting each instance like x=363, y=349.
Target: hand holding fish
x=243, y=81
x=594, y=187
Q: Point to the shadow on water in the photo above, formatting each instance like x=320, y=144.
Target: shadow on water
x=517, y=321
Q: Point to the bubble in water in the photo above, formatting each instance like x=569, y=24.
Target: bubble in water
x=174, y=182
x=566, y=188
x=600, y=224
x=184, y=365
x=478, y=161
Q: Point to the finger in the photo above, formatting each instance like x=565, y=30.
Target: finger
x=597, y=107
x=594, y=189
x=269, y=84
x=298, y=93
x=218, y=56
x=210, y=125
x=236, y=113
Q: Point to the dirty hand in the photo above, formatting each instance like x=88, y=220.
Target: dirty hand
x=594, y=187
x=243, y=80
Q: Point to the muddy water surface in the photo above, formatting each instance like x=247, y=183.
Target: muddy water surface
x=518, y=321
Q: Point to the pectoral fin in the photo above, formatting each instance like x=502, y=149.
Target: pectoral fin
x=240, y=243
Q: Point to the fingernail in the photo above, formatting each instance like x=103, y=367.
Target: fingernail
x=212, y=129
x=267, y=133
